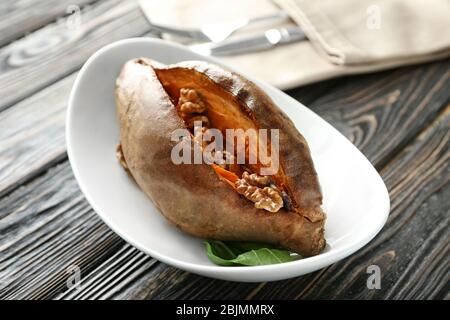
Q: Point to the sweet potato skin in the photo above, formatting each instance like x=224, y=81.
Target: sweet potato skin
x=193, y=197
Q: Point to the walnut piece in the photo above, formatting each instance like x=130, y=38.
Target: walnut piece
x=192, y=107
x=121, y=157
x=256, y=180
x=187, y=94
x=190, y=102
x=265, y=198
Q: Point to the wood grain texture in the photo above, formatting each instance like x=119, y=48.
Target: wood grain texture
x=382, y=112
x=33, y=134
x=55, y=51
x=47, y=226
x=19, y=17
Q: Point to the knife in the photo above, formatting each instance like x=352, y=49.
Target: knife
x=263, y=41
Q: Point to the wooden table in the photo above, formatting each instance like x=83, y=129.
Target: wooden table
x=398, y=118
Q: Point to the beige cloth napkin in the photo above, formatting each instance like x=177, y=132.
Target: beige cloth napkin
x=345, y=36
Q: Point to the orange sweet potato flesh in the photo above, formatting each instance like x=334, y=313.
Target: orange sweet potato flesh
x=228, y=175
x=199, y=198
x=223, y=109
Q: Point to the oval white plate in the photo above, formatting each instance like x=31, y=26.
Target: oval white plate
x=355, y=198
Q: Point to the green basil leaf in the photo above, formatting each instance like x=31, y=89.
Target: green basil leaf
x=241, y=247
x=246, y=253
x=263, y=256
x=215, y=251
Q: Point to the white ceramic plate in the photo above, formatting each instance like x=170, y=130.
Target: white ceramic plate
x=355, y=198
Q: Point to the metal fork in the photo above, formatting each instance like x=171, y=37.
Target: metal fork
x=219, y=31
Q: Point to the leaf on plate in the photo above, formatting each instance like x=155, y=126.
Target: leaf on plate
x=246, y=253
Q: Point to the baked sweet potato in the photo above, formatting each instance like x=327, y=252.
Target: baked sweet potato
x=232, y=202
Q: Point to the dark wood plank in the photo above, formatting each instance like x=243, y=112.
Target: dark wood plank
x=50, y=214
x=32, y=135
x=382, y=112
x=45, y=228
x=56, y=51
x=19, y=17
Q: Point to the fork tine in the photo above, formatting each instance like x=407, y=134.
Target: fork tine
x=186, y=33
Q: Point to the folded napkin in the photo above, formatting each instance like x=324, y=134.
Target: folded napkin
x=344, y=37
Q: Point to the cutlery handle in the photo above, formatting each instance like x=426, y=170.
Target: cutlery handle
x=291, y=34
x=279, y=15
